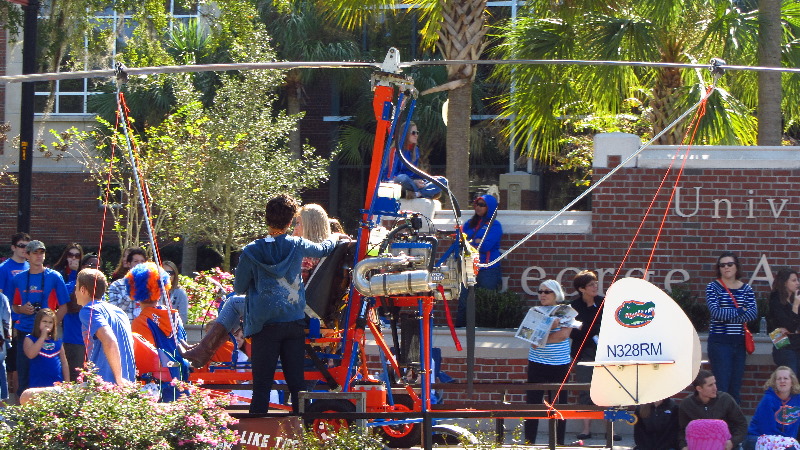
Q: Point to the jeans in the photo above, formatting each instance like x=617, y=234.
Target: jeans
x=788, y=357
x=727, y=356
x=428, y=190
x=545, y=373
x=230, y=316
x=23, y=363
x=488, y=278
x=3, y=377
x=287, y=341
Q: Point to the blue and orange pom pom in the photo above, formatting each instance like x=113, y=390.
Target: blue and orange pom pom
x=147, y=283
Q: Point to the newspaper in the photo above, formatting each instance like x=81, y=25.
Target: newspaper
x=535, y=327
x=779, y=340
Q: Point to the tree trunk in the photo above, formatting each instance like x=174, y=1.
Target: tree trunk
x=461, y=37
x=294, y=92
x=189, y=256
x=770, y=123
x=666, y=93
x=458, y=125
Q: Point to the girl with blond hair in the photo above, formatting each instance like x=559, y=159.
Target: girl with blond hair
x=311, y=223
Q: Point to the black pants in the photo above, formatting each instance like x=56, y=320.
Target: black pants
x=545, y=373
x=75, y=358
x=287, y=341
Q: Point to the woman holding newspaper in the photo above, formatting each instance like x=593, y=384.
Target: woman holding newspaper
x=549, y=355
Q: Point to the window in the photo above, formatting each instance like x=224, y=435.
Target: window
x=70, y=96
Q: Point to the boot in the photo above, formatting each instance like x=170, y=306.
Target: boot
x=201, y=353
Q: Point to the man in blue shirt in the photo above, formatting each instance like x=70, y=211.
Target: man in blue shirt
x=106, y=324
x=15, y=264
x=35, y=288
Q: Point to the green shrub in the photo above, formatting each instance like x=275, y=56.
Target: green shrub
x=696, y=310
x=94, y=414
x=498, y=309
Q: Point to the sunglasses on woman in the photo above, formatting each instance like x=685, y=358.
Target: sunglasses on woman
x=545, y=292
x=727, y=264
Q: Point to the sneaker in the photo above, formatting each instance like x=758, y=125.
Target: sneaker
x=578, y=443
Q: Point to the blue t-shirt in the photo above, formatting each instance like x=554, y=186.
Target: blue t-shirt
x=72, y=329
x=8, y=269
x=71, y=324
x=43, y=290
x=98, y=314
x=45, y=368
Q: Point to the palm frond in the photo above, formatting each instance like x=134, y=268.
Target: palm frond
x=354, y=144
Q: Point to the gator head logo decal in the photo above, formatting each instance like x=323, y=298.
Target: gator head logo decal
x=633, y=314
x=787, y=415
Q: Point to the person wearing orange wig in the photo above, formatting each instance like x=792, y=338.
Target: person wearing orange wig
x=148, y=284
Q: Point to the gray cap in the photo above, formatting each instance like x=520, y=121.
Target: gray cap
x=34, y=245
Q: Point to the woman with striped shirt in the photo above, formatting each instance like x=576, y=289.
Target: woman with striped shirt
x=549, y=364
x=726, y=350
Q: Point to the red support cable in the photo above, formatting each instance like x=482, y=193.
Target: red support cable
x=693, y=127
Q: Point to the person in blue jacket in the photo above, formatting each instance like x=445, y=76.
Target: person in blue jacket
x=487, y=240
x=412, y=183
x=269, y=274
x=778, y=413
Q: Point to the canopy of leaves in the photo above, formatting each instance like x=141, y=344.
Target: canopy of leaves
x=547, y=96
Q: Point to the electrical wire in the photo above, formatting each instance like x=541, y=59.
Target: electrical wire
x=286, y=65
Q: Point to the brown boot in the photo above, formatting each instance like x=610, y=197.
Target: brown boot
x=201, y=353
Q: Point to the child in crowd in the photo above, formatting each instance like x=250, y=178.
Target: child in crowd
x=46, y=352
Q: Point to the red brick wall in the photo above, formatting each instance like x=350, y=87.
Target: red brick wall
x=514, y=371
x=688, y=243
x=64, y=209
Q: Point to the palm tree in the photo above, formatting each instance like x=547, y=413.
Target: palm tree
x=639, y=30
x=770, y=90
x=301, y=33
x=457, y=29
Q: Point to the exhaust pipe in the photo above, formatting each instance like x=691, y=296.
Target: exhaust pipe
x=384, y=284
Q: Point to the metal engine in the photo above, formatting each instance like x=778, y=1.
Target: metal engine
x=405, y=265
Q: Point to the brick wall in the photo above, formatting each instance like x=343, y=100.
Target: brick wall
x=64, y=209
x=692, y=244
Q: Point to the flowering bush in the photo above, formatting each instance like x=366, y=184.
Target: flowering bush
x=91, y=413
x=205, y=292
x=346, y=438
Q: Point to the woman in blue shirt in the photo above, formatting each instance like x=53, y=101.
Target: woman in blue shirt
x=486, y=239
x=731, y=304
x=777, y=413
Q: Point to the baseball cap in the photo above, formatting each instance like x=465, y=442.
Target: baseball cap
x=34, y=245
